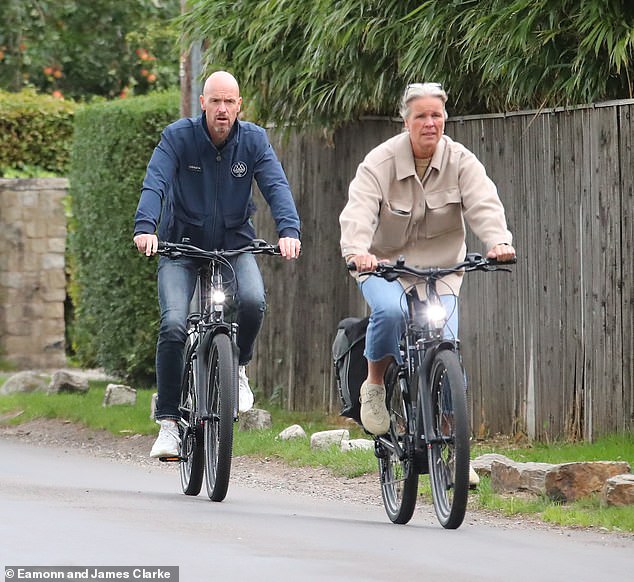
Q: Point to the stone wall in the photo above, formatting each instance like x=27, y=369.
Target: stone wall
x=32, y=272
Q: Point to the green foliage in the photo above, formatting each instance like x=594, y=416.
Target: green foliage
x=113, y=287
x=79, y=49
x=328, y=62
x=618, y=447
x=35, y=134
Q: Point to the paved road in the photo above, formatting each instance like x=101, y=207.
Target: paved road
x=63, y=508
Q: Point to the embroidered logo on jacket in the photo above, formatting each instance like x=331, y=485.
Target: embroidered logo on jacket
x=194, y=168
x=239, y=169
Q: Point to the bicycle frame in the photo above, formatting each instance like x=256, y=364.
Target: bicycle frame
x=209, y=388
x=206, y=318
x=427, y=403
x=421, y=344
x=207, y=307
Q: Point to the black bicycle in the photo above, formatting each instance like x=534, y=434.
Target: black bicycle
x=209, y=392
x=426, y=397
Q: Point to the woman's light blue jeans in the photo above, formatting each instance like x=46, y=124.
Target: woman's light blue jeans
x=388, y=316
x=176, y=285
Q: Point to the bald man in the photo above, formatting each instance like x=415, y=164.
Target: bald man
x=198, y=189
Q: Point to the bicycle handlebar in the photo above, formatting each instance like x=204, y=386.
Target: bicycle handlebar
x=174, y=250
x=472, y=262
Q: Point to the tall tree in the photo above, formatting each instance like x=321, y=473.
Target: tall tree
x=79, y=49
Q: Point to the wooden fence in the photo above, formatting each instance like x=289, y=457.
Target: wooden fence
x=548, y=348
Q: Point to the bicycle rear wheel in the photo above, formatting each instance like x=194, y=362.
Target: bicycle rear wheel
x=449, y=450
x=397, y=469
x=191, y=466
x=223, y=380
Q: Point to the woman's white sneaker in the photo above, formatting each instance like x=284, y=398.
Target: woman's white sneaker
x=374, y=415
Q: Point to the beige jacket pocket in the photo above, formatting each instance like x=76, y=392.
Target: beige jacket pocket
x=443, y=212
x=391, y=232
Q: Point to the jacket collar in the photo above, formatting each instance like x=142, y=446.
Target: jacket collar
x=234, y=134
x=404, y=156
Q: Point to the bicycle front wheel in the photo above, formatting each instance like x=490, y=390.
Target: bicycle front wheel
x=448, y=440
x=191, y=466
x=222, y=386
x=397, y=470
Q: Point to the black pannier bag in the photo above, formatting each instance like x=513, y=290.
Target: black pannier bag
x=351, y=367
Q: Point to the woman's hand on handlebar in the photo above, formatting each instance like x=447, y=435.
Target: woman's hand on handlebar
x=289, y=247
x=146, y=244
x=364, y=263
x=501, y=253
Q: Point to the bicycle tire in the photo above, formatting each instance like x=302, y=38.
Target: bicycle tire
x=191, y=466
x=449, y=450
x=218, y=428
x=398, y=474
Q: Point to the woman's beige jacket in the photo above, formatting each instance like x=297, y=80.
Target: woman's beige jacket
x=392, y=213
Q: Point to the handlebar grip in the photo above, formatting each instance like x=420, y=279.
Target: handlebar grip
x=512, y=261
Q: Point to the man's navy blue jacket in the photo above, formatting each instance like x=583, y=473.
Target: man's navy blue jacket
x=197, y=191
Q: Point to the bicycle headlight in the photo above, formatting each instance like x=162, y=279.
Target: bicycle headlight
x=436, y=315
x=218, y=296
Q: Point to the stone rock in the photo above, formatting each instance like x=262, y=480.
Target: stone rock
x=255, y=419
x=26, y=381
x=292, y=432
x=357, y=445
x=619, y=490
x=572, y=481
x=482, y=464
x=326, y=438
x=65, y=381
x=510, y=476
x=118, y=394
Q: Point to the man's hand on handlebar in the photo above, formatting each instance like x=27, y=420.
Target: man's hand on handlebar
x=501, y=253
x=289, y=247
x=146, y=244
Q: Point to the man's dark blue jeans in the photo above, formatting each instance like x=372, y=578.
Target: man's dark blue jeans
x=176, y=285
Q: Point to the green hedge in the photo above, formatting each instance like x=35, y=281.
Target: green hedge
x=35, y=134
x=113, y=287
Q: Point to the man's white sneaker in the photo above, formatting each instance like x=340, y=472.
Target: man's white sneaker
x=168, y=440
x=374, y=415
x=474, y=479
x=245, y=396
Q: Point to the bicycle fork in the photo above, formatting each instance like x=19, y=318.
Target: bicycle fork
x=425, y=416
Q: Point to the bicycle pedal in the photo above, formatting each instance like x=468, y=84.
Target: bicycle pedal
x=170, y=459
